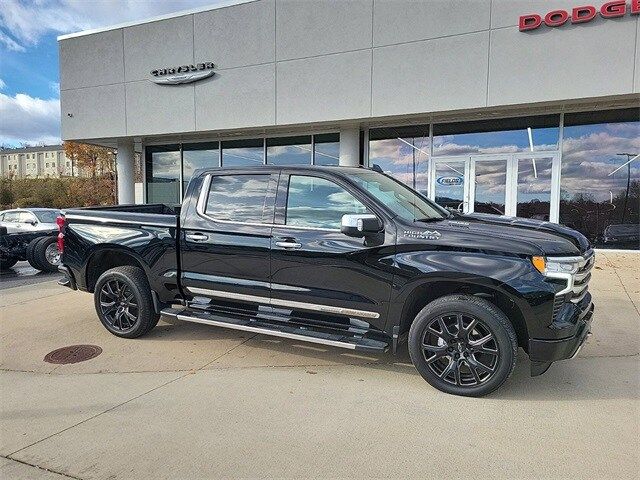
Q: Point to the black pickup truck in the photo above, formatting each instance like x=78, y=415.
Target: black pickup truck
x=339, y=256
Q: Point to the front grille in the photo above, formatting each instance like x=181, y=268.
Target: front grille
x=582, y=277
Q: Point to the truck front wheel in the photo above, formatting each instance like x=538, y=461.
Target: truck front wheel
x=123, y=301
x=463, y=345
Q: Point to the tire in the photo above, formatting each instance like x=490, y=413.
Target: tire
x=132, y=314
x=470, y=361
x=7, y=262
x=45, y=254
x=30, y=253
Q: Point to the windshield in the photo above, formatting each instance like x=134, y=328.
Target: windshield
x=46, y=216
x=402, y=200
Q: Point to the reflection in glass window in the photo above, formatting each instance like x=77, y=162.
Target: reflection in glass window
x=327, y=148
x=403, y=153
x=449, y=184
x=401, y=200
x=599, y=193
x=490, y=187
x=163, y=174
x=240, y=198
x=198, y=155
x=318, y=203
x=509, y=135
x=241, y=153
x=289, y=150
x=534, y=188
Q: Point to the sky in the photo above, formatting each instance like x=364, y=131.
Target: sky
x=29, y=79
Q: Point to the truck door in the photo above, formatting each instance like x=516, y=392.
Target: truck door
x=225, y=246
x=317, y=271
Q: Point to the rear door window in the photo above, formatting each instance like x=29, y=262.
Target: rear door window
x=239, y=198
x=13, y=217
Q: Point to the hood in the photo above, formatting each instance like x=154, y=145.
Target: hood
x=486, y=232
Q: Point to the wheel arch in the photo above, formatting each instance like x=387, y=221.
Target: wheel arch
x=106, y=258
x=423, y=293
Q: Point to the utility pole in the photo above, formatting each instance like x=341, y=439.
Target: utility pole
x=626, y=197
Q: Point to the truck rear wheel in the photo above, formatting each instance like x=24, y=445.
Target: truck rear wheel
x=42, y=254
x=123, y=301
x=29, y=253
x=463, y=345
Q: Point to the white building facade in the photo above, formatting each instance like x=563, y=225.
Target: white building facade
x=47, y=161
x=516, y=107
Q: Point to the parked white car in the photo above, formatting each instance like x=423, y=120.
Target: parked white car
x=28, y=220
x=29, y=234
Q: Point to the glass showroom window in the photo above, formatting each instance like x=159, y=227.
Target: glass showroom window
x=163, y=174
x=198, y=155
x=327, y=149
x=243, y=153
x=534, y=188
x=508, y=135
x=402, y=152
x=600, y=180
x=289, y=150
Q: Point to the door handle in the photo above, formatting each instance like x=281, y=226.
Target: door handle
x=197, y=237
x=291, y=244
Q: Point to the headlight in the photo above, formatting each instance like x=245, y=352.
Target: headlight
x=562, y=268
x=549, y=266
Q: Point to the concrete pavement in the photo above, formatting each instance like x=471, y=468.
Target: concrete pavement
x=191, y=401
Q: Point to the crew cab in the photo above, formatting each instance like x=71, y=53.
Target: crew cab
x=347, y=257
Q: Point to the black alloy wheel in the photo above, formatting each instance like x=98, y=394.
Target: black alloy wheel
x=123, y=301
x=463, y=344
x=118, y=305
x=460, y=349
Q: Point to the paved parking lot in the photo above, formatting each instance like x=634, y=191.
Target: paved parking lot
x=191, y=401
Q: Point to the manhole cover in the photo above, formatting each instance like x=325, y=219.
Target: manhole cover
x=73, y=354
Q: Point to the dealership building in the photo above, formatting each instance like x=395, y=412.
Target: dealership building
x=528, y=108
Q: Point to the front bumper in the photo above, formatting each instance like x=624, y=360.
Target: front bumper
x=544, y=352
x=67, y=280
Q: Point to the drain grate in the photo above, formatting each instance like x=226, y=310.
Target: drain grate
x=73, y=354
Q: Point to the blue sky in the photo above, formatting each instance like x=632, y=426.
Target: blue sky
x=29, y=83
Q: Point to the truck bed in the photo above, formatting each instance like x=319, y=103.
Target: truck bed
x=156, y=214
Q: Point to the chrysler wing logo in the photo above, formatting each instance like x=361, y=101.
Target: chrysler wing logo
x=182, y=74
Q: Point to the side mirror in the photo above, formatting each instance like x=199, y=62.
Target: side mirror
x=31, y=222
x=360, y=225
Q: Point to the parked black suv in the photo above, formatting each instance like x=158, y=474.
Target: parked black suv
x=340, y=256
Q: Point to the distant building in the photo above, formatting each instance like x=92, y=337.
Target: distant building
x=48, y=161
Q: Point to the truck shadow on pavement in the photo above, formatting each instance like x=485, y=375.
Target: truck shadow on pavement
x=583, y=378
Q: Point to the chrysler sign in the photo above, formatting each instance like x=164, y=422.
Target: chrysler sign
x=585, y=13
x=182, y=74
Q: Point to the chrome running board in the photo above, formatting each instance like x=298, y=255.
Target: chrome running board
x=294, y=332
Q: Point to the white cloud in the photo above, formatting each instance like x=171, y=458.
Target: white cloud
x=2, y=84
x=28, y=20
x=30, y=120
x=9, y=42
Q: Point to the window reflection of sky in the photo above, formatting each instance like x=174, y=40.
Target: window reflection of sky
x=327, y=149
x=238, y=198
x=592, y=199
x=510, y=141
x=243, y=156
x=318, y=203
x=289, y=154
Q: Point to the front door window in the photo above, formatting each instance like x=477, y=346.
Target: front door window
x=314, y=202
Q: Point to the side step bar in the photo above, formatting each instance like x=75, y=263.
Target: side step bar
x=277, y=330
